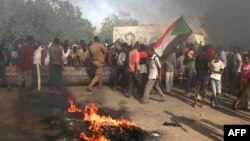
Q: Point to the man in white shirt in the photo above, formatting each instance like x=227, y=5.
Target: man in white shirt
x=217, y=67
x=154, y=73
x=237, y=68
x=65, y=56
x=37, y=62
x=237, y=60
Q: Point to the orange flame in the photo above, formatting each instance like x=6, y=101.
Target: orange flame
x=98, y=137
x=96, y=121
x=72, y=107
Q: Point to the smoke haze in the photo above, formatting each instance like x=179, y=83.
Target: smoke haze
x=146, y=11
x=226, y=21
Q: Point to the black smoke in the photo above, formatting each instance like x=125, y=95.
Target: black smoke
x=227, y=22
x=152, y=11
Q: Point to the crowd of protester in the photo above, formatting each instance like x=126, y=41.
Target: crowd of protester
x=30, y=57
x=190, y=65
x=138, y=69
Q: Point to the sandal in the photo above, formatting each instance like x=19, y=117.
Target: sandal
x=89, y=89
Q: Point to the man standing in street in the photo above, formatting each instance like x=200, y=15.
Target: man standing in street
x=190, y=69
x=56, y=65
x=153, y=78
x=143, y=75
x=3, y=56
x=170, y=68
x=133, y=68
x=217, y=68
x=121, y=66
x=37, y=64
x=244, y=81
x=25, y=66
x=202, y=76
x=97, y=53
x=237, y=68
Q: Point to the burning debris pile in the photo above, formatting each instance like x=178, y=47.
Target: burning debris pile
x=102, y=127
x=86, y=124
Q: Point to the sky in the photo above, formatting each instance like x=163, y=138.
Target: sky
x=146, y=11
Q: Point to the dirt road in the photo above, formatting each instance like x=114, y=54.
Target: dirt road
x=197, y=124
x=22, y=121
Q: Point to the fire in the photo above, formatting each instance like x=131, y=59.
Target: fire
x=96, y=121
x=72, y=107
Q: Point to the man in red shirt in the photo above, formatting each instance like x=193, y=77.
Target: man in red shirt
x=244, y=82
x=133, y=68
x=24, y=67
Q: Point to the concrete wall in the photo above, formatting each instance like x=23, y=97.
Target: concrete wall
x=143, y=34
x=71, y=76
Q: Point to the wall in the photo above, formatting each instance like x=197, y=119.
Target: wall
x=143, y=34
x=71, y=76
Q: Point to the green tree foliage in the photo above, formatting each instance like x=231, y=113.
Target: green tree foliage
x=124, y=19
x=44, y=19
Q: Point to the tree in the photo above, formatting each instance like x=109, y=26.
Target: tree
x=44, y=19
x=124, y=19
